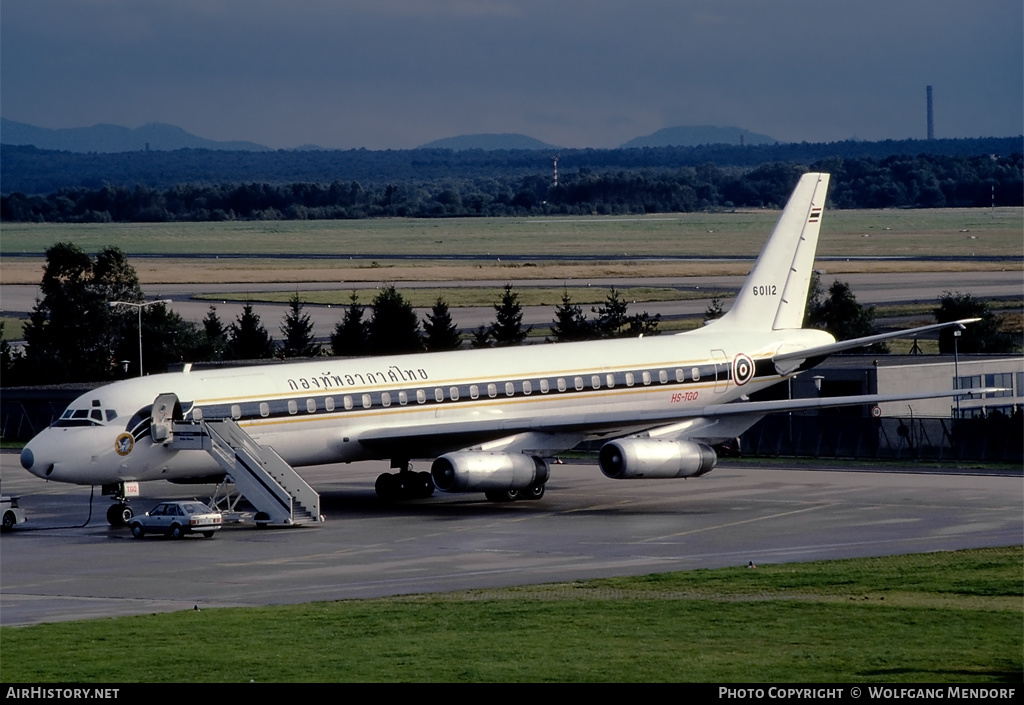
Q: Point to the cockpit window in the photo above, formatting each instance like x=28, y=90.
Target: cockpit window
x=79, y=417
x=66, y=423
x=95, y=415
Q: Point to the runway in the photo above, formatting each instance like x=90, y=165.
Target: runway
x=586, y=526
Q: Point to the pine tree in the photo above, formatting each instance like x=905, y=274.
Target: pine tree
x=297, y=332
x=215, y=337
x=642, y=324
x=482, y=338
x=507, y=328
x=714, y=310
x=570, y=324
x=611, y=316
x=351, y=337
x=441, y=332
x=248, y=339
x=394, y=327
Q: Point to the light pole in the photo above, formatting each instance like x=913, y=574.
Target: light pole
x=956, y=365
x=138, y=307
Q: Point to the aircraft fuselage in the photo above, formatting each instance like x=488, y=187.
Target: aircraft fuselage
x=413, y=406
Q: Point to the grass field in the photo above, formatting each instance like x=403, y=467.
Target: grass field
x=962, y=233
x=937, y=617
x=958, y=232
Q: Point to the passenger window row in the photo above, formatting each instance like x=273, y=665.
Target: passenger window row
x=454, y=393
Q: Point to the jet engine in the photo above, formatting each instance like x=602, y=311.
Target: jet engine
x=632, y=458
x=474, y=471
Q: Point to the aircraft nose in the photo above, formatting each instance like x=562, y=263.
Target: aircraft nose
x=33, y=463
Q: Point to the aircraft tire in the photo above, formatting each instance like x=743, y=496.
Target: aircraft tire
x=119, y=514
x=534, y=492
x=426, y=483
x=386, y=487
x=503, y=495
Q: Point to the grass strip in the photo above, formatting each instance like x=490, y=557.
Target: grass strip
x=459, y=297
x=935, y=617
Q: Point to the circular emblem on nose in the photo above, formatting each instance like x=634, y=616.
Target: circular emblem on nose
x=124, y=444
x=27, y=458
x=742, y=369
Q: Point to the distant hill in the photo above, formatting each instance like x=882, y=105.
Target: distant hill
x=487, y=142
x=699, y=135
x=114, y=138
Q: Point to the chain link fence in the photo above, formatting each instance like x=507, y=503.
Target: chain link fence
x=995, y=438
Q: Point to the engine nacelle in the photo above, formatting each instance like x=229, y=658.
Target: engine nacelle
x=470, y=471
x=632, y=458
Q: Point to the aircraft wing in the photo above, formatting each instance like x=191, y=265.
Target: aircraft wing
x=445, y=436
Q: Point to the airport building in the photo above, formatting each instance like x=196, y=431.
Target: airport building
x=983, y=427
x=843, y=375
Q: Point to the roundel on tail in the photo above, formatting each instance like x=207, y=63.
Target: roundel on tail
x=742, y=369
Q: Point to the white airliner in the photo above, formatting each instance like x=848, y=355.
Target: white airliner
x=489, y=419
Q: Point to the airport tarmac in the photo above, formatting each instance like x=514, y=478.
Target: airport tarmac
x=67, y=564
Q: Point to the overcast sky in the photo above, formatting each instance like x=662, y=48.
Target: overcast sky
x=576, y=73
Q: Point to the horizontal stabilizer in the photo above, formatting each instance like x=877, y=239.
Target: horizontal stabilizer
x=797, y=356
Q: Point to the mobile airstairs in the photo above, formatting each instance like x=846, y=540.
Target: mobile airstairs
x=258, y=473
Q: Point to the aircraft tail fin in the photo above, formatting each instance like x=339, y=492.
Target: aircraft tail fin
x=775, y=293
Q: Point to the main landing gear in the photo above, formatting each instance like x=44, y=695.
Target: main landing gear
x=404, y=484
x=535, y=491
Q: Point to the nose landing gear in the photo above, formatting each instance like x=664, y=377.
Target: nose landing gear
x=119, y=513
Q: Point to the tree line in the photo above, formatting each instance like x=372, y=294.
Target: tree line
x=75, y=334
x=30, y=170
x=923, y=181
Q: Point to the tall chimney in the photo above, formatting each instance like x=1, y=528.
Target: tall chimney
x=931, y=120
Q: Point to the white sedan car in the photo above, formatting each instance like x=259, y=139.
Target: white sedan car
x=175, y=519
